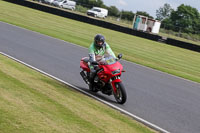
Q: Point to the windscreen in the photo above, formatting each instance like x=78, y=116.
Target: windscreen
x=97, y=10
x=107, y=60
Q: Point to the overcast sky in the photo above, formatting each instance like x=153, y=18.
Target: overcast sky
x=150, y=6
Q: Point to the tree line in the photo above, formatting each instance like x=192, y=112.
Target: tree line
x=185, y=19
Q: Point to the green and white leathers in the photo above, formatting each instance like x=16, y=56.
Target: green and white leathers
x=95, y=53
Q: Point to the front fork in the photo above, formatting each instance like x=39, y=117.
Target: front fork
x=114, y=80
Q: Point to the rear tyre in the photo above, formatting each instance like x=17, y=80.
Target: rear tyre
x=120, y=94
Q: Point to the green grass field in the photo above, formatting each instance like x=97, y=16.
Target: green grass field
x=33, y=103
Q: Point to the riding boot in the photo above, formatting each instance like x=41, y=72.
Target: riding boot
x=92, y=75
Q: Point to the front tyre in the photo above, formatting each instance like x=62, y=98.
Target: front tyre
x=120, y=94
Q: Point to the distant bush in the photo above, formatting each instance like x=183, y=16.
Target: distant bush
x=82, y=9
x=189, y=36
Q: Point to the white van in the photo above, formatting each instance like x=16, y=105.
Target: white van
x=48, y=1
x=98, y=12
x=68, y=4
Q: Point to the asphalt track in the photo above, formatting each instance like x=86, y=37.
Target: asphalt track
x=167, y=101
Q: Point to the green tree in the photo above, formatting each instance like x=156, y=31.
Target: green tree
x=98, y=3
x=90, y=3
x=83, y=3
x=167, y=24
x=128, y=15
x=197, y=25
x=113, y=11
x=185, y=19
x=164, y=12
x=144, y=14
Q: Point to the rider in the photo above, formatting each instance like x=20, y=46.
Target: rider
x=96, y=51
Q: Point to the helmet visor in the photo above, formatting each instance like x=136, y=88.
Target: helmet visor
x=100, y=43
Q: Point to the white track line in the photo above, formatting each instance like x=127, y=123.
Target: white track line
x=107, y=103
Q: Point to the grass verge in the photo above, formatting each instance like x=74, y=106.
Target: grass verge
x=170, y=59
x=31, y=102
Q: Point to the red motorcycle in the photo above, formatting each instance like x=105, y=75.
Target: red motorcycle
x=107, y=78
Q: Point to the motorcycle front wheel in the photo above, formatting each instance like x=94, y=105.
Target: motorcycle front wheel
x=120, y=94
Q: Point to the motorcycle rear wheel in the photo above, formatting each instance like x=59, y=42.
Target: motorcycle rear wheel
x=120, y=94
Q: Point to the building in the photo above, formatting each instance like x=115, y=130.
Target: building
x=145, y=24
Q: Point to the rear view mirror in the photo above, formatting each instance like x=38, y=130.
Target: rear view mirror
x=119, y=56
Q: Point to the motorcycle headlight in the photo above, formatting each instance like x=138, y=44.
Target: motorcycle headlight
x=116, y=72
